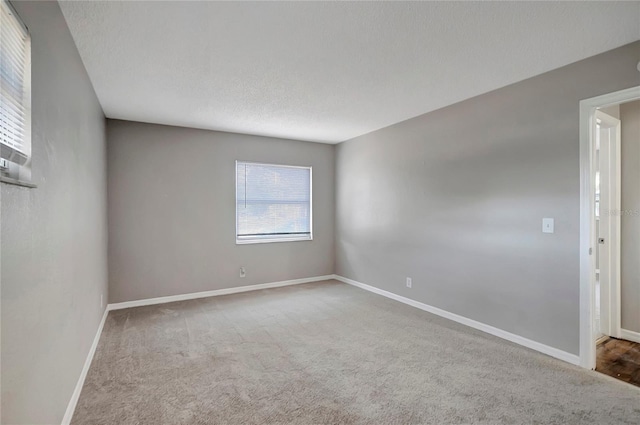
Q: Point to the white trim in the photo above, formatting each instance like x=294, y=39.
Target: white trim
x=587, y=223
x=611, y=225
x=215, y=292
x=272, y=240
x=272, y=164
x=630, y=335
x=553, y=352
x=602, y=339
x=71, y=407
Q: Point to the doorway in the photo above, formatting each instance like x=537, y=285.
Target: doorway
x=606, y=176
x=600, y=224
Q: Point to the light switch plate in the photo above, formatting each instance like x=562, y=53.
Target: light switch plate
x=547, y=225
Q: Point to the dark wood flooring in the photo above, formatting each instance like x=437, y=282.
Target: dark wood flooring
x=620, y=359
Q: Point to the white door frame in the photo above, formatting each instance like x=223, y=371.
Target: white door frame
x=587, y=220
x=610, y=206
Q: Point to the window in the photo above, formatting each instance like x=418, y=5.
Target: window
x=15, y=95
x=273, y=203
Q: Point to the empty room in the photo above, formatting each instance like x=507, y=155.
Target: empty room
x=319, y=212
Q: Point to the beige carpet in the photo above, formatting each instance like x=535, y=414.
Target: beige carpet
x=329, y=353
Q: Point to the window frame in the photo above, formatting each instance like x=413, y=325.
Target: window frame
x=279, y=239
x=20, y=172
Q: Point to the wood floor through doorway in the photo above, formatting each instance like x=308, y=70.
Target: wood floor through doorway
x=619, y=358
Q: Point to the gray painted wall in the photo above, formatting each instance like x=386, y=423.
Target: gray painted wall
x=630, y=220
x=172, y=211
x=455, y=199
x=54, y=237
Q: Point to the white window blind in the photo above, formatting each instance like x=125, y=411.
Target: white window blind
x=15, y=86
x=273, y=203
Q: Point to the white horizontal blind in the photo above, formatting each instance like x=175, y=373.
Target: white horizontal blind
x=273, y=202
x=15, y=82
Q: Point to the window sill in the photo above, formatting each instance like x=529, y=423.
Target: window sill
x=254, y=241
x=16, y=182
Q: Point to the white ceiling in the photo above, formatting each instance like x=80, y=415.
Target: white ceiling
x=325, y=72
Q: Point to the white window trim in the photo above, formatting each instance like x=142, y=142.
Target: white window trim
x=21, y=176
x=273, y=240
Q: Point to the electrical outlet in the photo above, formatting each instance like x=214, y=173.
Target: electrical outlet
x=409, y=282
x=243, y=272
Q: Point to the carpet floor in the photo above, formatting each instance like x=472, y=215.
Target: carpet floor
x=329, y=353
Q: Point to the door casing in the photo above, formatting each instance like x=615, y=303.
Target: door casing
x=608, y=134
x=588, y=109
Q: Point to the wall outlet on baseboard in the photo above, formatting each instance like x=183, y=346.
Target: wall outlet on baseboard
x=409, y=282
x=243, y=272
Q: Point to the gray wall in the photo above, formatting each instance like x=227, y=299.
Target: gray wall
x=172, y=211
x=54, y=237
x=630, y=220
x=455, y=199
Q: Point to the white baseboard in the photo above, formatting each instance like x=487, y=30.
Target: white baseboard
x=553, y=352
x=71, y=407
x=630, y=335
x=215, y=292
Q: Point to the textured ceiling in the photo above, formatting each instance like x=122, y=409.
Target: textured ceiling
x=327, y=71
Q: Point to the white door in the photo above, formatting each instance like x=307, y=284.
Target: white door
x=607, y=226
